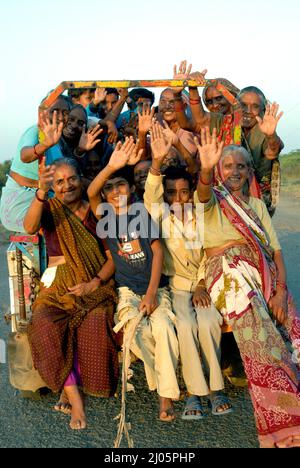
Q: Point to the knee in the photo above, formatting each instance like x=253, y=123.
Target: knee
x=144, y=333
x=209, y=319
x=162, y=326
x=186, y=325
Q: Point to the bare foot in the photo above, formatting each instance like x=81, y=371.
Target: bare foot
x=78, y=418
x=166, y=409
x=63, y=405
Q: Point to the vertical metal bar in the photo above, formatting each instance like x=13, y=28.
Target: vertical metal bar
x=22, y=308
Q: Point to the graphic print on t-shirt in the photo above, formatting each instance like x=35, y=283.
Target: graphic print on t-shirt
x=130, y=249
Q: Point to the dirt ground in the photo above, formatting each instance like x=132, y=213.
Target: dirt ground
x=29, y=423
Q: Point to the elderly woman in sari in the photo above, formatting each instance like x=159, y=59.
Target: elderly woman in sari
x=71, y=335
x=214, y=99
x=246, y=278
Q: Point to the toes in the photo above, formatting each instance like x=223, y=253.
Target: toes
x=57, y=407
x=194, y=413
x=61, y=407
x=78, y=425
x=165, y=416
x=223, y=408
x=66, y=408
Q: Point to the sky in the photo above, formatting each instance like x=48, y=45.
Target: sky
x=43, y=43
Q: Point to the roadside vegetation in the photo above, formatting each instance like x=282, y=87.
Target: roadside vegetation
x=290, y=171
x=4, y=170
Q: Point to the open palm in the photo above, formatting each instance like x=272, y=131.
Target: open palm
x=270, y=120
x=126, y=154
x=210, y=149
x=160, y=144
x=52, y=130
x=88, y=140
x=182, y=73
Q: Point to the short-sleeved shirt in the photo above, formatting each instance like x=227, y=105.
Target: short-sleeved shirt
x=30, y=170
x=129, y=238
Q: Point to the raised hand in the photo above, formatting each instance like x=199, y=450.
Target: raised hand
x=199, y=77
x=160, y=145
x=52, y=130
x=270, y=120
x=169, y=134
x=135, y=154
x=183, y=73
x=100, y=96
x=125, y=154
x=210, y=149
x=123, y=92
x=88, y=139
x=46, y=174
x=145, y=118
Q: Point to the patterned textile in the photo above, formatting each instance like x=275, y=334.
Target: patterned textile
x=241, y=285
x=231, y=130
x=231, y=88
x=275, y=186
x=62, y=321
x=269, y=181
x=231, y=126
x=247, y=223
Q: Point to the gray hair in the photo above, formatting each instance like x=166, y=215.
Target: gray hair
x=70, y=162
x=258, y=92
x=235, y=149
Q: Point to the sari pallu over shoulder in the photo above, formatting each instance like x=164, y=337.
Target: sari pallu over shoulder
x=238, y=280
x=63, y=322
x=247, y=223
x=84, y=260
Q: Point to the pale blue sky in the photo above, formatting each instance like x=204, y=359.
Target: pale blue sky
x=45, y=42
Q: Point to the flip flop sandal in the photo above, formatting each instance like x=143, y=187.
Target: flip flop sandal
x=193, y=403
x=216, y=402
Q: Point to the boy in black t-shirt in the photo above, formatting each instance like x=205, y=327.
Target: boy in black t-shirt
x=133, y=241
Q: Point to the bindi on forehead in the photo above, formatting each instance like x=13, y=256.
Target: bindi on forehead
x=65, y=173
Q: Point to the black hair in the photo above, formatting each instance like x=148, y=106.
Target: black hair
x=137, y=93
x=126, y=173
x=255, y=90
x=68, y=162
x=79, y=106
x=75, y=93
x=62, y=96
x=112, y=91
x=176, y=173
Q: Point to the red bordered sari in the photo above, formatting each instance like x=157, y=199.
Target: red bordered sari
x=242, y=280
